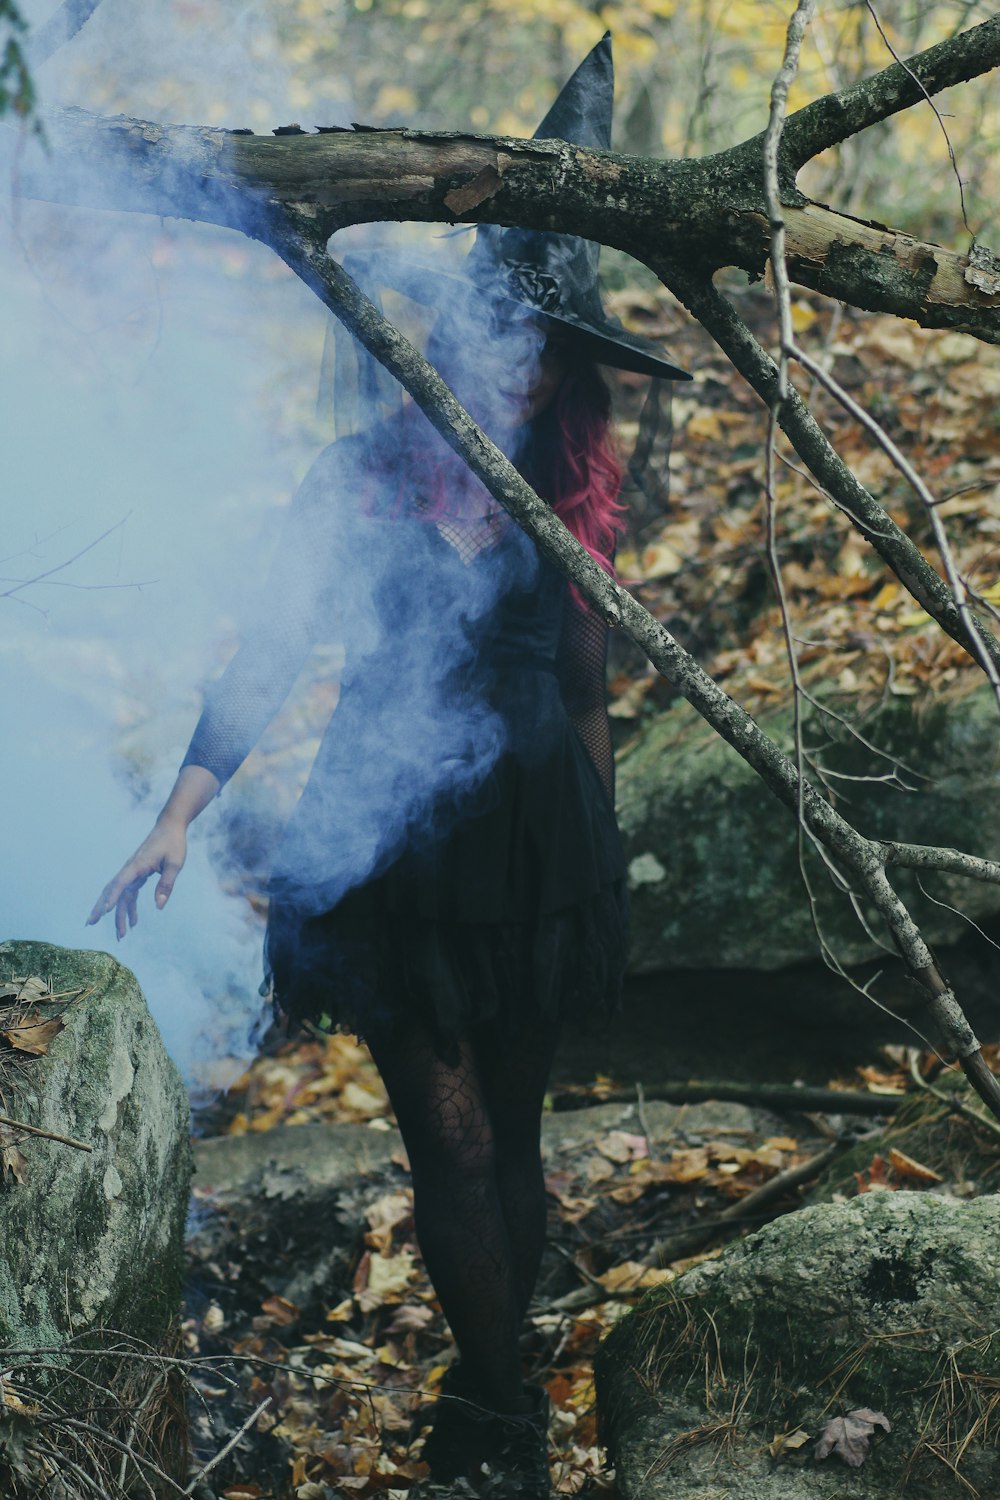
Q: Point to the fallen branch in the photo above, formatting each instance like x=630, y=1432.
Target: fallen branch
x=223, y=1452
x=689, y=1241
x=763, y=1095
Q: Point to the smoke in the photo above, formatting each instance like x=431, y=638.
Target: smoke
x=157, y=383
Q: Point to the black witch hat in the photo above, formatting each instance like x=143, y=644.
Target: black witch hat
x=556, y=274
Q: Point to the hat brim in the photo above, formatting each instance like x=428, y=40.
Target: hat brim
x=606, y=344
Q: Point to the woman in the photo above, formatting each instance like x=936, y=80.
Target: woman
x=453, y=899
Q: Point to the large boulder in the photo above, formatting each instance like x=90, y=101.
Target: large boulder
x=887, y=1303
x=94, y=1239
x=714, y=859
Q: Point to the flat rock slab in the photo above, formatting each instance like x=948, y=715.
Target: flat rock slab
x=283, y=1211
x=888, y=1302
x=94, y=1239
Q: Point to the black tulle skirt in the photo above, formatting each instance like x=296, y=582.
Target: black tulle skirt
x=518, y=913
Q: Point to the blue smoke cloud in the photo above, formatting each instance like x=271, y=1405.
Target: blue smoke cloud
x=150, y=452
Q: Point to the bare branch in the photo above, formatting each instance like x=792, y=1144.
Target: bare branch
x=807, y=438
x=828, y=121
x=949, y=861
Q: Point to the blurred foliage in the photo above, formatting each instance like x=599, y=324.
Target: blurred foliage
x=17, y=91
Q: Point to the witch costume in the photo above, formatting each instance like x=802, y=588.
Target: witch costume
x=505, y=899
x=486, y=898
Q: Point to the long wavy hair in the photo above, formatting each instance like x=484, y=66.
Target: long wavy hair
x=573, y=463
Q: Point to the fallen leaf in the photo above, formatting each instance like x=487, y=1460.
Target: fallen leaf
x=25, y=990
x=411, y=1318
x=633, y=1275
x=280, y=1310
x=619, y=1146
x=34, y=1034
x=12, y=1161
x=784, y=1442
x=874, y=1176
x=849, y=1437
x=388, y=1277
x=905, y=1166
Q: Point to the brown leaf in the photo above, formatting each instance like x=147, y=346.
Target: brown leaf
x=280, y=1310
x=905, y=1166
x=619, y=1146
x=411, y=1318
x=848, y=1437
x=876, y=1175
x=12, y=1161
x=34, y=1034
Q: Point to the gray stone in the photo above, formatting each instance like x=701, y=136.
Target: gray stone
x=283, y=1210
x=713, y=857
x=94, y=1239
x=889, y=1301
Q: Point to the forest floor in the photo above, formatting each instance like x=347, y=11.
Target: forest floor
x=346, y=1383
x=343, y=1409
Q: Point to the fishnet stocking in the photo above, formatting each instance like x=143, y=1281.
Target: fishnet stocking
x=583, y=650
x=471, y=1131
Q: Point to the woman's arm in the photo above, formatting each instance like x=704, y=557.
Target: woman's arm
x=249, y=693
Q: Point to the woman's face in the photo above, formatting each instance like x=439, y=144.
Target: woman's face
x=505, y=370
x=552, y=368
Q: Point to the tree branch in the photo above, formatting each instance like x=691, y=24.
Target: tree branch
x=706, y=213
x=948, y=861
x=809, y=441
x=862, y=857
x=828, y=121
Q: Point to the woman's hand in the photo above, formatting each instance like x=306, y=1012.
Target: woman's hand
x=162, y=853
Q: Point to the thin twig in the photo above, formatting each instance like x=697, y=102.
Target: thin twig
x=224, y=1452
x=48, y=1135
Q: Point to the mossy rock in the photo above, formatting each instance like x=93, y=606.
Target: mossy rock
x=889, y=1301
x=94, y=1240
x=714, y=858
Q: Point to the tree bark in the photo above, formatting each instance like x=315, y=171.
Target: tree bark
x=703, y=214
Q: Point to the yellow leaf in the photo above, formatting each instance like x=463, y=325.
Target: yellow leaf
x=660, y=560
x=803, y=316
x=887, y=596
x=914, y=617
x=783, y=1441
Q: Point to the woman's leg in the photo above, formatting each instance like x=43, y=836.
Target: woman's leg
x=459, y=1213
x=514, y=1069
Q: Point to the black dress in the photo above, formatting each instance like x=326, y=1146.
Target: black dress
x=454, y=854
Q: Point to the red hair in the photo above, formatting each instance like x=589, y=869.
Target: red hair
x=585, y=474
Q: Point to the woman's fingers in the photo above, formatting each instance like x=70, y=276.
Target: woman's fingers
x=170, y=870
x=133, y=876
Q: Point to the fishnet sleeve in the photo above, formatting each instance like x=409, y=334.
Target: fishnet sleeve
x=583, y=650
x=296, y=600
